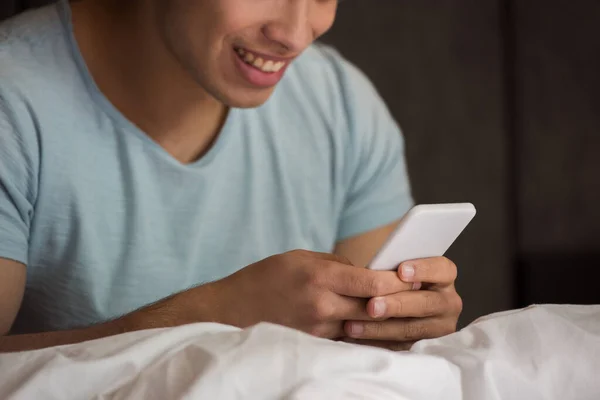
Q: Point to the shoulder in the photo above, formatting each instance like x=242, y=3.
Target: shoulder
x=27, y=44
x=332, y=83
x=31, y=44
x=38, y=74
x=30, y=27
x=336, y=90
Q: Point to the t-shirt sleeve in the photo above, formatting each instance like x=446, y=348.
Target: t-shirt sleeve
x=18, y=178
x=377, y=189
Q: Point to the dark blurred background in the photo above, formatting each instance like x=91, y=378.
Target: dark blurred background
x=499, y=101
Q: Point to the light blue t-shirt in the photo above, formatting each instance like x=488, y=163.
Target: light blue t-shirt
x=107, y=221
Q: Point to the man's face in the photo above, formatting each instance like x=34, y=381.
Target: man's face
x=238, y=50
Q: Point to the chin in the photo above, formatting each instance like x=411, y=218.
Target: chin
x=245, y=98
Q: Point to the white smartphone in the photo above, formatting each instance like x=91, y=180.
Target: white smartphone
x=427, y=230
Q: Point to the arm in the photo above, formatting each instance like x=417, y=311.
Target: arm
x=377, y=195
x=166, y=313
x=320, y=289
x=176, y=310
x=361, y=249
x=12, y=286
x=19, y=166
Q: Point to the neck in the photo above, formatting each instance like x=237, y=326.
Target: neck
x=130, y=65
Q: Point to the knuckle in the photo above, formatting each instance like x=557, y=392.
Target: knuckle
x=322, y=310
x=373, y=329
x=415, y=331
x=292, y=254
x=299, y=257
x=433, y=303
x=457, y=303
x=375, y=286
x=452, y=269
x=299, y=253
x=314, y=277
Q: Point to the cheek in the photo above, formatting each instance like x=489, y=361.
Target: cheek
x=235, y=18
x=181, y=28
x=323, y=19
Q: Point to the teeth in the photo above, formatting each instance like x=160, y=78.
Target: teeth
x=258, y=63
x=268, y=67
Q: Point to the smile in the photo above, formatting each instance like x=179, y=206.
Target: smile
x=261, y=63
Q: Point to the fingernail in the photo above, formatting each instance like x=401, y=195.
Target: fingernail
x=417, y=286
x=379, y=308
x=356, y=329
x=408, y=271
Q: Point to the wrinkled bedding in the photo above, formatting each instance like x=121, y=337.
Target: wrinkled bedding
x=541, y=352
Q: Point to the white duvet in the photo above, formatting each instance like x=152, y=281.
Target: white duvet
x=542, y=352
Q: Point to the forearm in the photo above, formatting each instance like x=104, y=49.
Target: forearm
x=197, y=305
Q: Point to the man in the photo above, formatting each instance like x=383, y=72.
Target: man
x=171, y=162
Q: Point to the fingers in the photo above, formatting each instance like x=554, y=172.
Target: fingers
x=328, y=330
x=329, y=313
x=400, y=330
x=333, y=272
x=437, y=270
x=392, y=345
x=415, y=304
x=361, y=282
x=322, y=256
x=332, y=307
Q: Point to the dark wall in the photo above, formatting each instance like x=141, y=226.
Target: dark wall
x=499, y=101
x=440, y=68
x=557, y=132
x=7, y=8
x=500, y=104
x=10, y=7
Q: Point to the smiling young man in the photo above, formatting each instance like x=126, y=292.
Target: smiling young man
x=163, y=161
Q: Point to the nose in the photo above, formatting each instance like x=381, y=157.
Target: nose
x=291, y=29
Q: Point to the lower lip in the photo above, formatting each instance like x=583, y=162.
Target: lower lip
x=256, y=77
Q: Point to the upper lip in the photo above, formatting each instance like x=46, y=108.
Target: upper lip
x=266, y=56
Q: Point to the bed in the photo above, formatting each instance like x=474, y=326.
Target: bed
x=540, y=352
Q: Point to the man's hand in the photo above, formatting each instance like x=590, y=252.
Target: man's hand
x=428, y=311
x=311, y=292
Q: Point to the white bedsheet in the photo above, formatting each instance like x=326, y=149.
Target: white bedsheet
x=542, y=352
